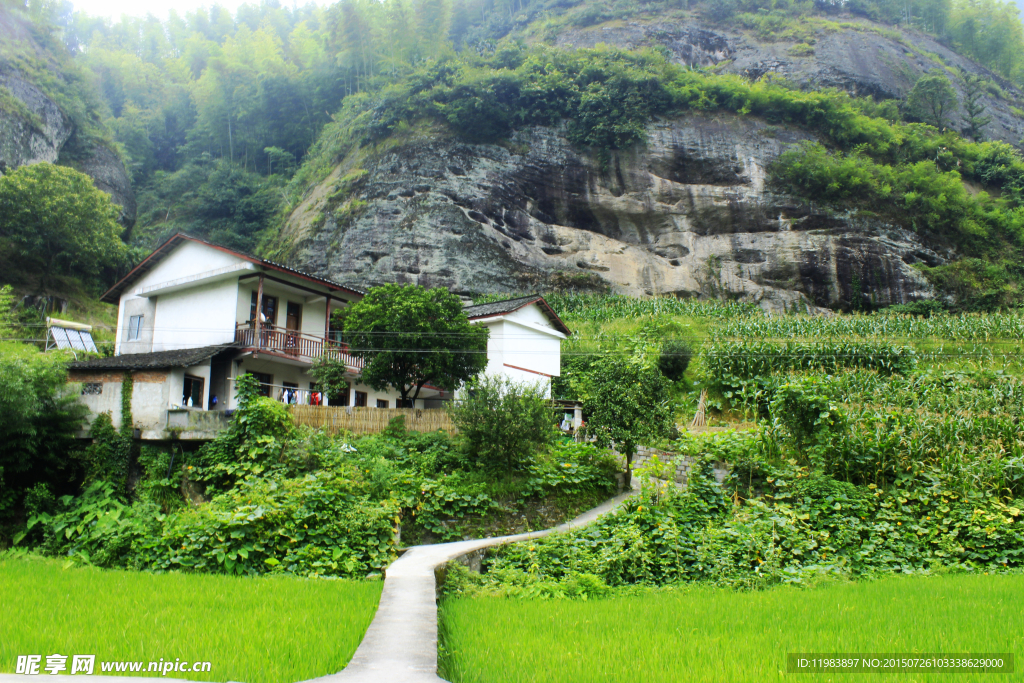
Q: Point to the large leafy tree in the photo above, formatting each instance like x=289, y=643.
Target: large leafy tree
x=410, y=336
x=933, y=100
x=60, y=224
x=624, y=403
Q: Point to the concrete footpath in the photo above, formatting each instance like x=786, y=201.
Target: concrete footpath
x=400, y=646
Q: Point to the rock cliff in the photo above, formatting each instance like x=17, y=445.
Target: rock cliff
x=689, y=213
x=861, y=58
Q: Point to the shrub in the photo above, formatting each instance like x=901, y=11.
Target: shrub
x=503, y=423
x=806, y=412
x=675, y=358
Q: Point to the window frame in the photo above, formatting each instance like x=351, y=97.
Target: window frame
x=202, y=390
x=135, y=326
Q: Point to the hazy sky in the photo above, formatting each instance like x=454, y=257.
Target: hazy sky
x=159, y=8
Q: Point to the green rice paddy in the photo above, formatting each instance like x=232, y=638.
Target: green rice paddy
x=257, y=630
x=701, y=634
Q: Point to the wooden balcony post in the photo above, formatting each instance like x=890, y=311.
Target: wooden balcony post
x=258, y=322
x=327, y=323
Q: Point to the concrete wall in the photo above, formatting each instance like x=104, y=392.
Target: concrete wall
x=149, y=396
x=132, y=307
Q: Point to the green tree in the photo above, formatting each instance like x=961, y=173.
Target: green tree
x=932, y=100
x=974, y=108
x=409, y=336
x=624, y=403
x=503, y=423
x=38, y=421
x=60, y=223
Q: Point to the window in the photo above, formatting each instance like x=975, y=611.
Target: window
x=135, y=327
x=265, y=381
x=92, y=388
x=360, y=399
x=381, y=403
x=407, y=403
x=269, y=309
x=192, y=395
x=341, y=398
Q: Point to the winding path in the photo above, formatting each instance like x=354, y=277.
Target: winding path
x=400, y=646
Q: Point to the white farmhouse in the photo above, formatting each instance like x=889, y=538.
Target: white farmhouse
x=525, y=340
x=194, y=316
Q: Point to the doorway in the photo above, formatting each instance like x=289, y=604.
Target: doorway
x=293, y=323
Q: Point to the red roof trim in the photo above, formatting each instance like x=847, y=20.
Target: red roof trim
x=516, y=367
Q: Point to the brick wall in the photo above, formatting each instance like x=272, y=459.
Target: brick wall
x=111, y=376
x=681, y=464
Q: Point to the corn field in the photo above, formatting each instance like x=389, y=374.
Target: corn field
x=601, y=308
x=981, y=327
x=966, y=426
x=732, y=360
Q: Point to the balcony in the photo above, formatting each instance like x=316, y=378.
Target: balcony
x=292, y=344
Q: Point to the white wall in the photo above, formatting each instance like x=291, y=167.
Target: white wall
x=197, y=317
x=188, y=259
x=531, y=349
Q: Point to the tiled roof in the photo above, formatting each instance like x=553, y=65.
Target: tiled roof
x=496, y=308
x=113, y=295
x=179, y=358
x=500, y=307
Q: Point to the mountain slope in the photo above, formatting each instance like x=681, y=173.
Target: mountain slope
x=48, y=111
x=648, y=188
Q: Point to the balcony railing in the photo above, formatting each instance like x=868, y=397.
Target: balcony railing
x=293, y=343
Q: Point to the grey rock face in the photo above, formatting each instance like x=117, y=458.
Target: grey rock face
x=690, y=213
x=25, y=141
x=108, y=174
x=33, y=129
x=862, y=62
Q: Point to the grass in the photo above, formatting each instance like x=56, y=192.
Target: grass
x=272, y=629
x=703, y=634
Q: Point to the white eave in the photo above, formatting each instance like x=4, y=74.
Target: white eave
x=551, y=332
x=210, y=276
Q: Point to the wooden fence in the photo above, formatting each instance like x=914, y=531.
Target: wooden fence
x=371, y=420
